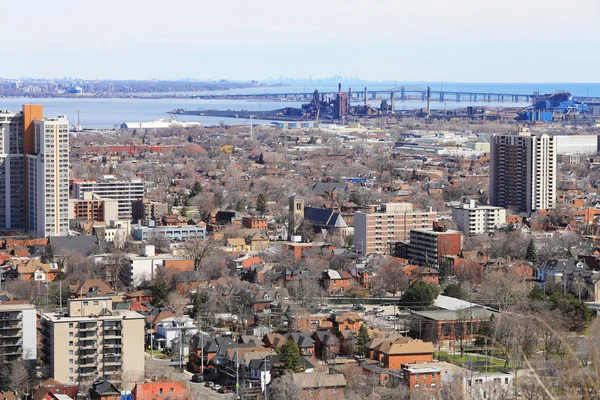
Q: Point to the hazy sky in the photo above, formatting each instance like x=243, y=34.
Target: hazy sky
x=403, y=40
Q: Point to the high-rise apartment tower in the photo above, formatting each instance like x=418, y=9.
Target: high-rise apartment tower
x=523, y=171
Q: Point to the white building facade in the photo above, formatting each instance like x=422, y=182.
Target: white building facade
x=472, y=219
x=48, y=178
x=125, y=192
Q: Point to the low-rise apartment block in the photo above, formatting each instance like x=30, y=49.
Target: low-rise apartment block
x=375, y=232
x=125, y=192
x=92, y=340
x=472, y=219
x=431, y=244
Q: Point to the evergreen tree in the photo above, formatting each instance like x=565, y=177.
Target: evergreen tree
x=160, y=293
x=484, y=334
x=362, y=339
x=420, y=294
x=532, y=253
x=261, y=203
x=456, y=291
x=289, y=355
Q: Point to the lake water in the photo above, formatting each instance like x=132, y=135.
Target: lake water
x=106, y=113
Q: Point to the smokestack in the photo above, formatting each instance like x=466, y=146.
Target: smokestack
x=365, y=96
x=339, y=87
x=392, y=102
x=428, y=101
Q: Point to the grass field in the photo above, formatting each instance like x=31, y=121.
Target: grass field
x=476, y=362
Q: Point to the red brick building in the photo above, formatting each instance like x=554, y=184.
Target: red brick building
x=255, y=223
x=161, y=390
x=393, y=353
x=320, y=386
x=421, y=377
x=337, y=283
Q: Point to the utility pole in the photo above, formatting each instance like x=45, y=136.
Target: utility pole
x=265, y=374
x=237, y=371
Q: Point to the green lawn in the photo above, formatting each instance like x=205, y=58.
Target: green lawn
x=156, y=353
x=478, y=363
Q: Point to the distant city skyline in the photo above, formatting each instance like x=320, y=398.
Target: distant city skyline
x=435, y=40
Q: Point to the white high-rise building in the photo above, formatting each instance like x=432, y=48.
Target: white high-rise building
x=523, y=171
x=48, y=178
x=12, y=187
x=472, y=219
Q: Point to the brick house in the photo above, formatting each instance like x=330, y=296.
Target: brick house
x=259, y=223
x=337, y=283
x=320, y=386
x=392, y=354
x=346, y=322
x=264, y=298
x=326, y=344
x=305, y=343
x=421, y=377
x=161, y=390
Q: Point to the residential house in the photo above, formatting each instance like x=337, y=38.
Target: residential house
x=337, y=283
x=55, y=387
x=346, y=322
x=274, y=340
x=418, y=273
x=102, y=389
x=305, y=343
x=422, y=377
x=393, y=353
x=298, y=319
x=379, y=374
x=327, y=344
x=237, y=244
x=33, y=269
x=172, y=329
x=91, y=288
x=259, y=223
x=266, y=298
x=259, y=242
x=208, y=348
x=551, y=272
x=320, y=386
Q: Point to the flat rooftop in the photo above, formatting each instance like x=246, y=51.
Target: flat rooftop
x=120, y=314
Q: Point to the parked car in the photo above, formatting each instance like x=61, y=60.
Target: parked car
x=390, y=318
x=223, y=390
x=216, y=387
x=209, y=384
x=378, y=310
x=358, y=307
x=198, y=378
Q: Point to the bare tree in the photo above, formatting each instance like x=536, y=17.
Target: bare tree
x=503, y=288
x=284, y=388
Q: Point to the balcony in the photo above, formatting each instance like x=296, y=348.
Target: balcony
x=88, y=344
x=87, y=371
x=93, y=336
x=113, y=333
x=87, y=327
x=113, y=345
x=11, y=317
x=88, y=361
x=113, y=361
x=11, y=326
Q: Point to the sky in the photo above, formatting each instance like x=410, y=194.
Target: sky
x=403, y=40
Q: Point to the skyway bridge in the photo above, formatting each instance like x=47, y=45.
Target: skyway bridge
x=401, y=93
